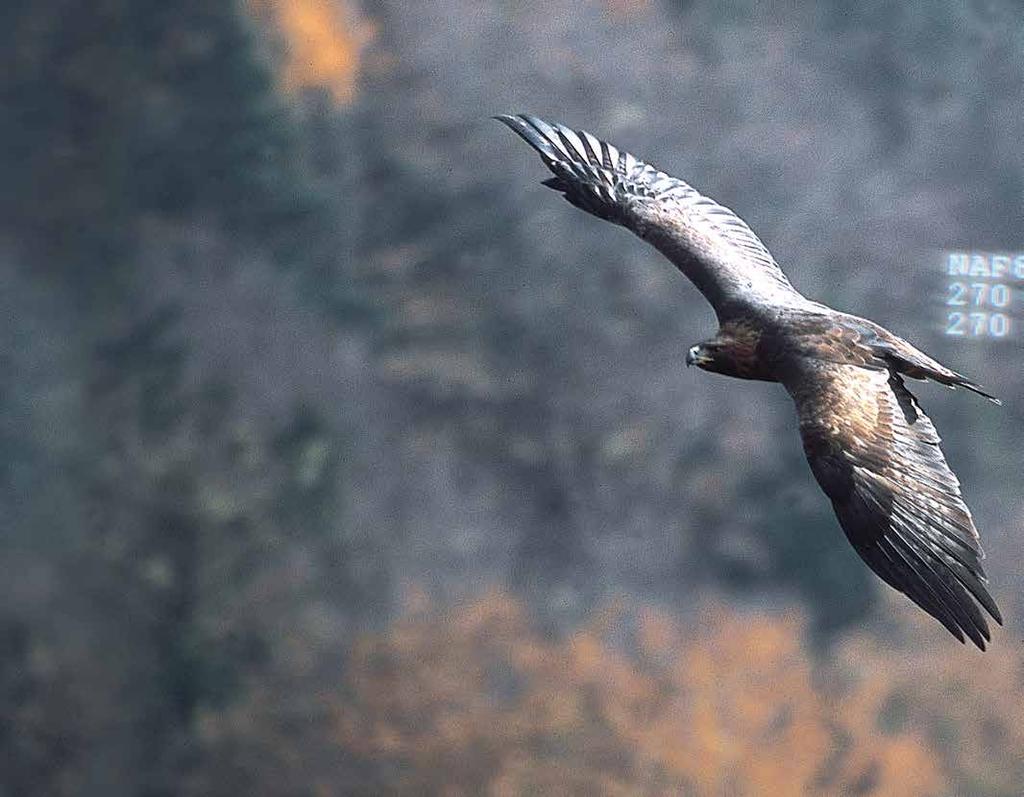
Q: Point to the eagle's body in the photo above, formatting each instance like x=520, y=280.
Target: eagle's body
x=870, y=446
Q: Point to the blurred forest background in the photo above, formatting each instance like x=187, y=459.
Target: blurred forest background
x=337, y=456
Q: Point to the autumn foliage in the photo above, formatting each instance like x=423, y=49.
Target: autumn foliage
x=966, y=704
x=475, y=700
x=322, y=42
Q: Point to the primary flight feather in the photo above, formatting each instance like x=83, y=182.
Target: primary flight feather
x=870, y=446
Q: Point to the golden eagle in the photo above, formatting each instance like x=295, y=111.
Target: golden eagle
x=870, y=446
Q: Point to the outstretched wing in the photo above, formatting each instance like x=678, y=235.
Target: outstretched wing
x=876, y=455
x=708, y=242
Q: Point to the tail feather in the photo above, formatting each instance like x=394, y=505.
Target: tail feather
x=913, y=362
x=974, y=387
x=923, y=367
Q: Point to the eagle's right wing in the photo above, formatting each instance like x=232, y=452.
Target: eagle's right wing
x=708, y=242
x=876, y=455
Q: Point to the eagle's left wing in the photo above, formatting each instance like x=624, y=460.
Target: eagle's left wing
x=876, y=455
x=707, y=242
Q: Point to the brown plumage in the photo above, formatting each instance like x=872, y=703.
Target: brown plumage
x=870, y=446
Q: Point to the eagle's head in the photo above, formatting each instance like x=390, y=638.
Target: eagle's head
x=733, y=352
x=702, y=355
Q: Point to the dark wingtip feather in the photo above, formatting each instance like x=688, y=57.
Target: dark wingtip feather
x=515, y=122
x=976, y=587
x=582, y=175
x=525, y=127
x=993, y=610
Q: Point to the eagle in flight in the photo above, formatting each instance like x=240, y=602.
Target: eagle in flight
x=870, y=446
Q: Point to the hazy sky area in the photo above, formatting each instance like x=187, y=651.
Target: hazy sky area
x=340, y=456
